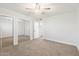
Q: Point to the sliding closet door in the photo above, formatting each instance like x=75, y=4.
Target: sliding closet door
x=5, y=31
x=27, y=30
x=23, y=31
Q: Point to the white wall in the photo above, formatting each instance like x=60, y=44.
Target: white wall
x=27, y=28
x=61, y=28
x=77, y=31
x=11, y=13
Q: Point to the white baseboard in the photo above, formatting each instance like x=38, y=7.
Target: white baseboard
x=64, y=42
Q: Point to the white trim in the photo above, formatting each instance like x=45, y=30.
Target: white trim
x=64, y=42
x=15, y=36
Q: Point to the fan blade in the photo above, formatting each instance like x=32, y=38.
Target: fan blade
x=29, y=8
x=46, y=8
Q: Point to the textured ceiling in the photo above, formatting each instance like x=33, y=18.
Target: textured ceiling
x=57, y=8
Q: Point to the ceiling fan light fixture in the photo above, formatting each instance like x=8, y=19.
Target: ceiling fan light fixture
x=38, y=9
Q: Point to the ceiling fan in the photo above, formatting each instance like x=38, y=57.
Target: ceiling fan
x=37, y=7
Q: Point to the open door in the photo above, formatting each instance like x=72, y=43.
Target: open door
x=36, y=30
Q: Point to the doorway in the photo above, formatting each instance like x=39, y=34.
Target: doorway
x=36, y=30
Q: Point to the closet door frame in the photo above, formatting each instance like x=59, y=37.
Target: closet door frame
x=10, y=19
x=13, y=18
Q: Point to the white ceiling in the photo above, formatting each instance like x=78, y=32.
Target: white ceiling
x=57, y=8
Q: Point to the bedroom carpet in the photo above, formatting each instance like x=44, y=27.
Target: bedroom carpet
x=40, y=47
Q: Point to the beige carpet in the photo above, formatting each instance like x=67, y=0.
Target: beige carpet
x=8, y=41
x=40, y=48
